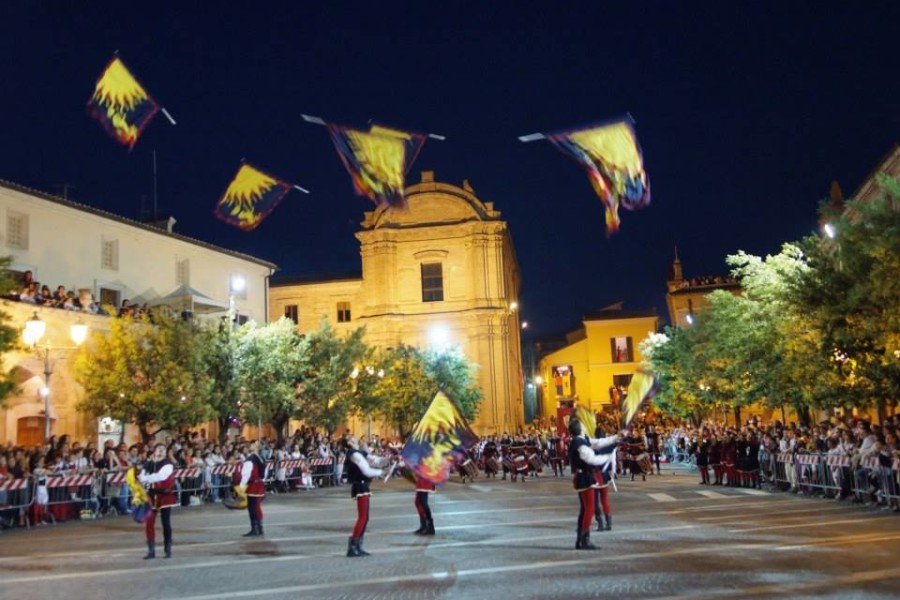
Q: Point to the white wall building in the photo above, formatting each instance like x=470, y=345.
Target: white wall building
x=114, y=258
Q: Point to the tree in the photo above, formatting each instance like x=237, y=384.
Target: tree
x=8, y=334
x=145, y=372
x=327, y=389
x=451, y=371
x=413, y=377
x=219, y=354
x=851, y=293
x=270, y=363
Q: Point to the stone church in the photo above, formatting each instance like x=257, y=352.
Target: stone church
x=441, y=274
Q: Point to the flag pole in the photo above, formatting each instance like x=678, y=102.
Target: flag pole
x=167, y=115
x=320, y=121
x=532, y=137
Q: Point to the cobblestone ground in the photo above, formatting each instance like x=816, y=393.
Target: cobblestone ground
x=671, y=538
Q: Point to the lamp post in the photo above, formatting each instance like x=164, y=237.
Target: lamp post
x=32, y=336
x=236, y=285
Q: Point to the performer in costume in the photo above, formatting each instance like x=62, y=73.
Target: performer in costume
x=583, y=460
x=652, y=440
x=360, y=468
x=252, y=484
x=159, y=473
x=426, y=523
x=602, y=475
x=489, y=456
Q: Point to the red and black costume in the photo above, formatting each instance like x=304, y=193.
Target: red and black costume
x=161, y=477
x=253, y=472
x=426, y=523
x=583, y=459
x=359, y=474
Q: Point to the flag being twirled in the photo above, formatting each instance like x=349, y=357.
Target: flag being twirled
x=643, y=387
x=121, y=104
x=378, y=160
x=441, y=435
x=251, y=196
x=612, y=157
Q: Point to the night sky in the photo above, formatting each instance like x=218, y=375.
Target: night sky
x=746, y=111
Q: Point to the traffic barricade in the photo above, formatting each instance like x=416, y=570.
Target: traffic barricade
x=113, y=493
x=220, y=481
x=189, y=486
x=71, y=496
x=291, y=474
x=326, y=470
x=17, y=499
x=784, y=467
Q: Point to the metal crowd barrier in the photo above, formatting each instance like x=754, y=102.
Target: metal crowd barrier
x=835, y=475
x=16, y=497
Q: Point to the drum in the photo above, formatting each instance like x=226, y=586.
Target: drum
x=535, y=462
x=520, y=464
x=643, y=462
x=467, y=469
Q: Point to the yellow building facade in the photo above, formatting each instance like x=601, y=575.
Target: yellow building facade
x=687, y=297
x=595, y=367
x=441, y=274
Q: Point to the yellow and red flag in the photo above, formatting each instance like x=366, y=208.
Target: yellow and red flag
x=250, y=197
x=612, y=157
x=377, y=160
x=442, y=435
x=643, y=387
x=121, y=103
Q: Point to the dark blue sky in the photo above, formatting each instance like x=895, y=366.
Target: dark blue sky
x=746, y=112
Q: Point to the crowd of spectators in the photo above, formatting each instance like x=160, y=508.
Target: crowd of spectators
x=64, y=456
x=29, y=291
x=759, y=446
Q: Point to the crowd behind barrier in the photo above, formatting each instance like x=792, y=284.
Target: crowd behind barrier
x=63, y=480
x=853, y=461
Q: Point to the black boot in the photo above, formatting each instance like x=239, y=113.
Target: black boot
x=609, y=522
x=586, y=541
x=421, y=528
x=600, y=524
x=352, y=548
x=252, y=532
x=168, y=548
x=359, y=547
x=429, y=528
x=259, y=529
x=151, y=550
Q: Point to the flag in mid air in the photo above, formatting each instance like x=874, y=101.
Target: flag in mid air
x=612, y=157
x=378, y=160
x=250, y=197
x=121, y=104
x=441, y=435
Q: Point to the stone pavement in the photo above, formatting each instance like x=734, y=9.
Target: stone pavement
x=671, y=538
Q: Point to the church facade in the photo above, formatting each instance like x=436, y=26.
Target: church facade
x=441, y=274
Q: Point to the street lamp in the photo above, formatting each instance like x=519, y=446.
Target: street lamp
x=32, y=336
x=236, y=285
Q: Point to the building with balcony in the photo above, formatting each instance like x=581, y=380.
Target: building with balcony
x=595, y=366
x=110, y=259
